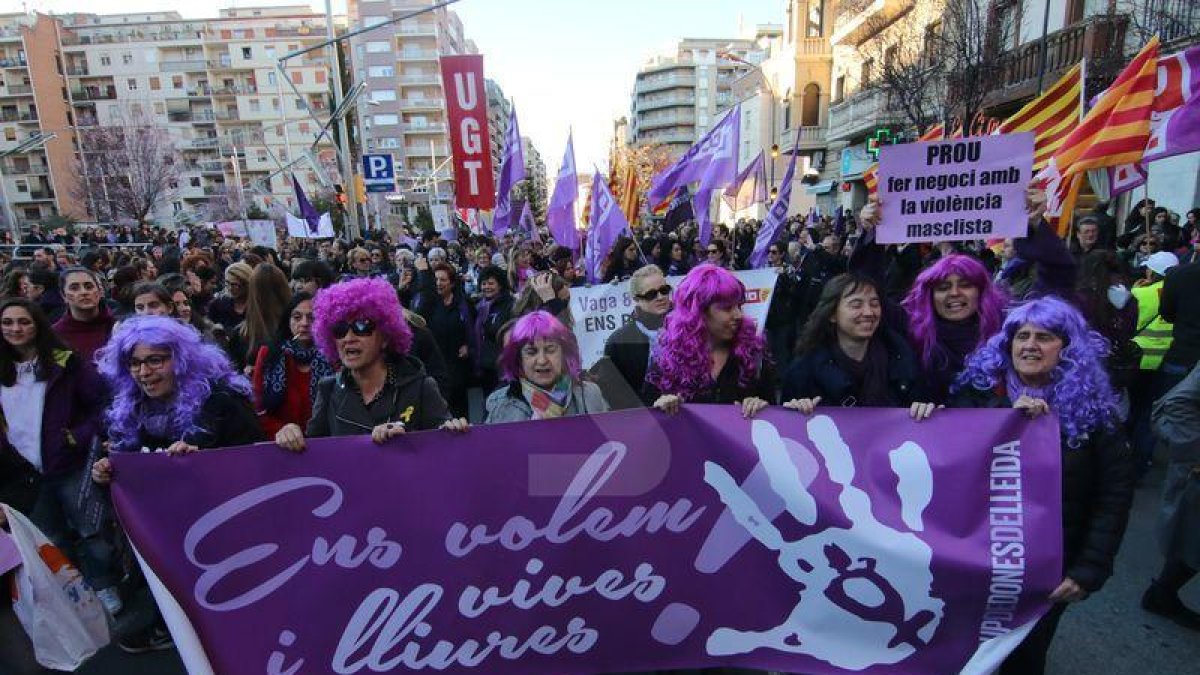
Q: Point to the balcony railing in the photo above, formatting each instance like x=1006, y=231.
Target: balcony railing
x=190, y=65
x=418, y=54
x=420, y=79
x=804, y=136
x=420, y=104
x=78, y=71
x=665, y=102
x=424, y=128
x=1098, y=38
x=18, y=62
x=34, y=195
x=105, y=94
x=235, y=90
x=16, y=90
x=656, y=84
x=661, y=121
x=859, y=113
x=18, y=117
x=813, y=46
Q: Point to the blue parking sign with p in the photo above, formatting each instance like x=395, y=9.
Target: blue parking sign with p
x=379, y=174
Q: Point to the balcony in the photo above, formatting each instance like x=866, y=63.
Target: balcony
x=186, y=66
x=808, y=138
x=649, y=84
x=813, y=47
x=16, y=90
x=426, y=29
x=411, y=128
x=26, y=169
x=203, y=143
x=420, y=79
x=859, y=114
x=93, y=94
x=419, y=55
x=236, y=90
x=1100, y=39
x=227, y=115
x=668, y=138
x=13, y=63
x=663, y=121
x=34, y=196
x=203, y=117
x=78, y=70
x=859, y=20
x=199, y=92
x=421, y=104
x=665, y=102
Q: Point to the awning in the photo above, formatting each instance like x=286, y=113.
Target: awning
x=819, y=188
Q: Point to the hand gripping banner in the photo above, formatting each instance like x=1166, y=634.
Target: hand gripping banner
x=849, y=541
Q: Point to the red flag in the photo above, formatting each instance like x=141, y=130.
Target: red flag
x=466, y=110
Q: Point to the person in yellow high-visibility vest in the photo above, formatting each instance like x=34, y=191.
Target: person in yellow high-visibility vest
x=1154, y=334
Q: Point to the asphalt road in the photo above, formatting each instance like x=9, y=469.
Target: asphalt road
x=1108, y=633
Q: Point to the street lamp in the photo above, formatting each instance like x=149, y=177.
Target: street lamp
x=774, y=156
x=24, y=147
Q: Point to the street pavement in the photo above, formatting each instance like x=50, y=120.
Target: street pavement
x=1108, y=633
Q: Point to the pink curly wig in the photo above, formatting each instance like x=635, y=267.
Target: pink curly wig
x=922, y=317
x=373, y=299
x=539, y=325
x=682, y=362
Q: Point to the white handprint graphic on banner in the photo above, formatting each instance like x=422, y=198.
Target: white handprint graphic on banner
x=865, y=592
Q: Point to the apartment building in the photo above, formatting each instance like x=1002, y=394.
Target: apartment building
x=677, y=96
x=499, y=110
x=404, y=112
x=211, y=84
x=535, y=173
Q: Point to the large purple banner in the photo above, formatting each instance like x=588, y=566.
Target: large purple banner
x=853, y=540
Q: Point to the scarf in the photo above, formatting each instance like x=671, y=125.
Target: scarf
x=547, y=404
x=275, y=372
x=1016, y=388
x=649, y=325
x=869, y=376
x=156, y=417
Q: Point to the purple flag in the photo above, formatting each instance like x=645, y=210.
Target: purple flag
x=307, y=211
x=850, y=541
x=750, y=187
x=560, y=216
x=527, y=225
x=776, y=217
x=607, y=223
x=839, y=221
x=711, y=161
x=512, y=171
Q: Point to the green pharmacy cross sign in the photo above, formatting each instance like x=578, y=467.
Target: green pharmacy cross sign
x=881, y=138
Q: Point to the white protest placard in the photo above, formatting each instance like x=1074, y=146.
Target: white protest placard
x=600, y=310
x=954, y=190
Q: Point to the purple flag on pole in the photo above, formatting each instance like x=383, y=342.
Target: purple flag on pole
x=750, y=187
x=776, y=217
x=526, y=223
x=711, y=161
x=512, y=171
x=307, y=211
x=847, y=542
x=607, y=223
x=560, y=216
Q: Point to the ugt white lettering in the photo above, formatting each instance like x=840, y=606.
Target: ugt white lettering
x=465, y=90
x=378, y=550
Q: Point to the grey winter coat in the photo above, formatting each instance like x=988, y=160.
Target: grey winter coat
x=1177, y=424
x=508, y=404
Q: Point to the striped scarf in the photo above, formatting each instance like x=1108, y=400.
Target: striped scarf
x=547, y=404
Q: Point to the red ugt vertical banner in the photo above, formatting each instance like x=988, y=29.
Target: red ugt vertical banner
x=466, y=109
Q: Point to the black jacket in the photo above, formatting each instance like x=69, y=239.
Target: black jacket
x=623, y=372
x=1181, y=306
x=410, y=396
x=226, y=419
x=1097, y=479
x=727, y=388
x=818, y=374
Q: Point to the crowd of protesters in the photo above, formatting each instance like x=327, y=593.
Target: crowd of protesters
x=153, y=345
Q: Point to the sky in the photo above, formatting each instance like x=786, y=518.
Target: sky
x=568, y=65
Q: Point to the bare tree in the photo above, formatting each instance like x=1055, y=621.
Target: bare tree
x=130, y=168
x=1175, y=22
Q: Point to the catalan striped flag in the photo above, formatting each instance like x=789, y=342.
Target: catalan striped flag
x=1051, y=116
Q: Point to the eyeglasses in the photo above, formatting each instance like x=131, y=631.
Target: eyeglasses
x=652, y=294
x=360, y=327
x=155, y=362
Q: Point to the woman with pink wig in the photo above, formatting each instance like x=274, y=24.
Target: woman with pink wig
x=541, y=363
x=708, y=350
x=381, y=389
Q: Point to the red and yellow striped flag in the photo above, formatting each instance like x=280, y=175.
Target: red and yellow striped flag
x=1050, y=116
x=1117, y=129
x=630, y=201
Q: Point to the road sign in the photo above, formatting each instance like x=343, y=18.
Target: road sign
x=379, y=173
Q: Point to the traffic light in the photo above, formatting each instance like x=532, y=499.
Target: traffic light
x=360, y=189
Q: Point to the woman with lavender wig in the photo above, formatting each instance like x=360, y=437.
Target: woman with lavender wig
x=708, y=351
x=1045, y=359
x=171, y=391
x=541, y=363
x=382, y=389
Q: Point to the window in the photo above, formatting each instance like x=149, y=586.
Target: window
x=10, y=134
x=131, y=84
x=247, y=52
x=32, y=213
x=304, y=127
x=383, y=120
x=816, y=13
x=299, y=104
x=255, y=106
x=160, y=108
x=270, y=51
x=271, y=77
x=810, y=107
x=320, y=77
x=381, y=71
x=22, y=185
x=105, y=60
x=155, y=84
x=177, y=82
x=383, y=95
x=194, y=181
x=127, y=58
x=275, y=103
x=867, y=67
x=297, y=77
x=380, y=47
x=840, y=92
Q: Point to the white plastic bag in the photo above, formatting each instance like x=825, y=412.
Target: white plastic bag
x=64, y=619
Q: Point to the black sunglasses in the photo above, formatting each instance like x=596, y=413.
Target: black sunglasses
x=653, y=293
x=361, y=328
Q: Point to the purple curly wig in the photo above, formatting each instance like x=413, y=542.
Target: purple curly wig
x=198, y=366
x=681, y=359
x=922, y=317
x=1080, y=391
x=373, y=299
x=539, y=325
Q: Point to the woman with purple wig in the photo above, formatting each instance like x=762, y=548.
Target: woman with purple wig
x=171, y=391
x=1045, y=359
x=541, y=363
x=708, y=351
x=381, y=390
